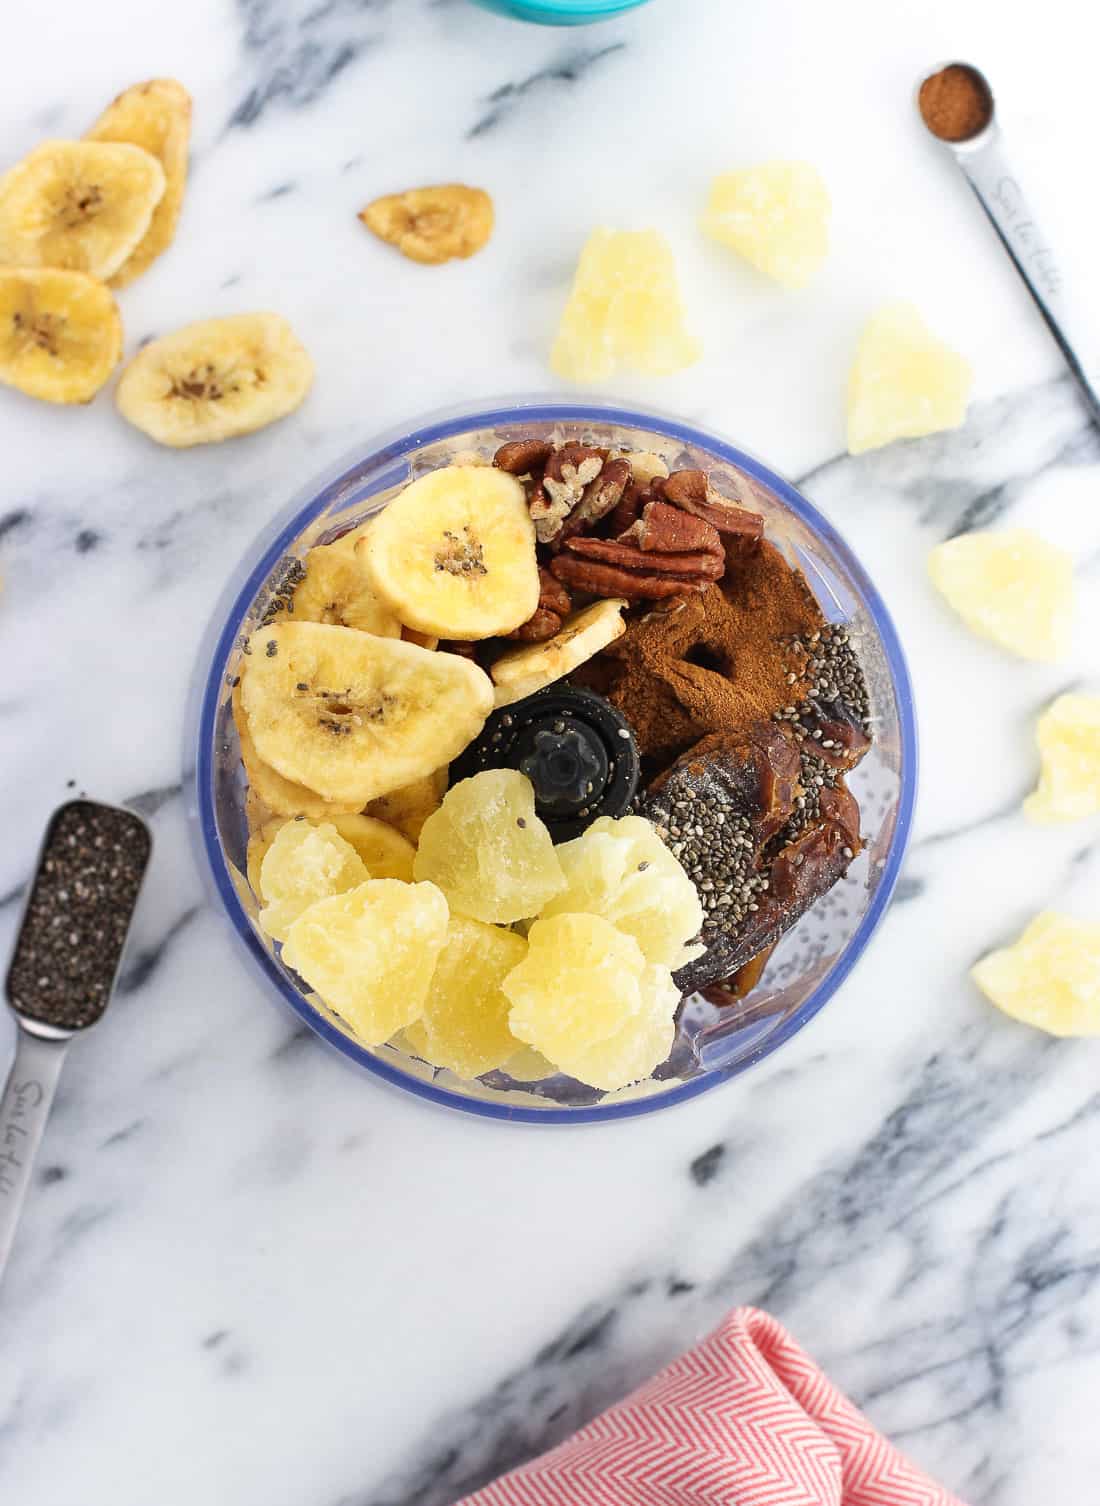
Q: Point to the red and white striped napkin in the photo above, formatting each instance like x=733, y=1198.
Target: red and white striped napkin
x=744, y=1419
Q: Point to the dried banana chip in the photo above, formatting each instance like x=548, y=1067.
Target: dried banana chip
x=270, y=789
x=156, y=116
x=81, y=205
x=432, y=225
x=215, y=379
x=60, y=333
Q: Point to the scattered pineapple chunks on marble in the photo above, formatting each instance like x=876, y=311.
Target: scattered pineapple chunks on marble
x=1010, y=586
x=776, y=216
x=1049, y=978
x=1068, y=734
x=904, y=382
x=624, y=311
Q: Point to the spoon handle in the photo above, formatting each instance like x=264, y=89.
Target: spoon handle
x=990, y=175
x=24, y=1109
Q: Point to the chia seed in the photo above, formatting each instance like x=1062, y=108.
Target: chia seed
x=830, y=669
x=78, y=915
x=716, y=852
x=284, y=580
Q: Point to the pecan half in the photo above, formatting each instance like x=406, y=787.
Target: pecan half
x=522, y=457
x=553, y=597
x=629, y=510
x=692, y=491
x=696, y=566
x=609, y=580
x=546, y=515
x=672, y=531
x=555, y=604
x=601, y=496
x=569, y=471
x=538, y=628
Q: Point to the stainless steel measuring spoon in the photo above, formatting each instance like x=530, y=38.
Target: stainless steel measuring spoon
x=986, y=167
x=63, y=971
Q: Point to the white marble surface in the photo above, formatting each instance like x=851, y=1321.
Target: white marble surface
x=250, y=1276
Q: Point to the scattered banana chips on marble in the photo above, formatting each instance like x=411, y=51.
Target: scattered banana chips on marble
x=78, y=218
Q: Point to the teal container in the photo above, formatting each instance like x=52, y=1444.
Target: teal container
x=561, y=12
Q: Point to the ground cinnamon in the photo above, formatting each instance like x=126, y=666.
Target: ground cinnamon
x=956, y=103
x=713, y=662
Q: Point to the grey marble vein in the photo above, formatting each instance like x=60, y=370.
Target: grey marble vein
x=127, y=1132
x=148, y=802
x=568, y=70
x=909, y=887
x=87, y=539
x=16, y=517
x=910, y=1185
x=294, y=49
x=138, y=971
x=940, y=1150
x=971, y=477
x=968, y=828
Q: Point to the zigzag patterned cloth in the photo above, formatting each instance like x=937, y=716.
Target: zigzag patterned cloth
x=744, y=1419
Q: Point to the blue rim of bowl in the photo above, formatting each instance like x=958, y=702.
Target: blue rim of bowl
x=287, y=529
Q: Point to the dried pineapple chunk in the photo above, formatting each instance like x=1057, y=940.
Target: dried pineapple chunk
x=155, y=115
x=370, y=953
x=1050, y=978
x=432, y=225
x=382, y=847
x=624, y=310
x=386, y=853
x=81, y=205
x=776, y=216
x=1010, y=586
x=304, y=863
x=60, y=334
x=621, y=869
x=904, y=383
x=488, y=851
x=642, y=1044
x=578, y=986
x=407, y=808
x=259, y=843
x=1069, y=745
x=529, y=1065
x=464, y=1026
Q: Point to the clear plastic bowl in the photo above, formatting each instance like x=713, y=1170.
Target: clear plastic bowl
x=813, y=958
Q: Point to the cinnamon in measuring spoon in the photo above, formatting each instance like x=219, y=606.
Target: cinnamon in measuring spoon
x=956, y=103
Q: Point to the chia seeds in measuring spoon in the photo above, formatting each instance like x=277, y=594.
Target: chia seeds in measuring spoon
x=78, y=915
